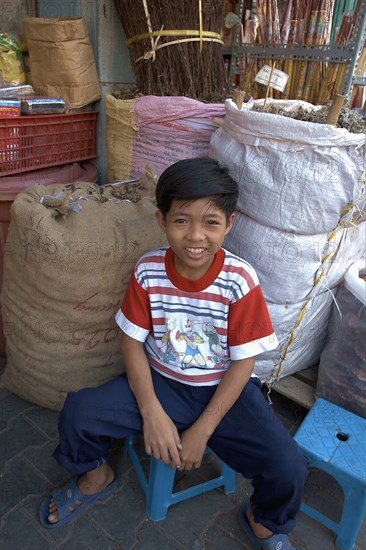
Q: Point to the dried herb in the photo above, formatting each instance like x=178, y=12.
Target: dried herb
x=351, y=120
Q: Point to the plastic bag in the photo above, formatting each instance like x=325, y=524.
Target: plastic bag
x=11, y=59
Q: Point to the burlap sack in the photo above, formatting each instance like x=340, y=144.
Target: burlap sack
x=67, y=262
x=61, y=59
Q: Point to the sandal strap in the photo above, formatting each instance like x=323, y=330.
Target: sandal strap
x=276, y=542
x=66, y=497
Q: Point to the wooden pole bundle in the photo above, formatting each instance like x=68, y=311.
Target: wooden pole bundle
x=175, y=46
x=311, y=23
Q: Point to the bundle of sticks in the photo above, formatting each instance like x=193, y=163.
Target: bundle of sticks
x=175, y=47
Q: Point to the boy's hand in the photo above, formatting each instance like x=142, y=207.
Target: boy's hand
x=162, y=438
x=193, y=448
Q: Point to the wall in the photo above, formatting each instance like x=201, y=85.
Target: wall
x=110, y=50
x=13, y=13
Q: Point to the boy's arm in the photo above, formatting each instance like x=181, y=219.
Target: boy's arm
x=194, y=440
x=160, y=433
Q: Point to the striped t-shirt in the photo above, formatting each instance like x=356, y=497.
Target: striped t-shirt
x=192, y=329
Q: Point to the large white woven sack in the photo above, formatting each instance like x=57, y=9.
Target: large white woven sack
x=68, y=259
x=290, y=266
x=293, y=175
x=300, y=345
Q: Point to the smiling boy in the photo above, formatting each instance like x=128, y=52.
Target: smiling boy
x=205, y=306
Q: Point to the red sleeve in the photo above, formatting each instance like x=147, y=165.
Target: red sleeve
x=249, y=319
x=136, y=306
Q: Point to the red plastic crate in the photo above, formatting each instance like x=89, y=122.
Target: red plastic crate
x=37, y=141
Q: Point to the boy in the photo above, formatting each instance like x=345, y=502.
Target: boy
x=192, y=320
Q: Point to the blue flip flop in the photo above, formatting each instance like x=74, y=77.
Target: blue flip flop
x=65, y=498
x=275, y=542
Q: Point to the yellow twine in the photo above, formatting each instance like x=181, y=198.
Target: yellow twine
x=149, y=26
x=325, y=258
x=346, y=210
x=200, y=20
x=300, y=316
x=151, y=54
x=154, y=43
x=178, y=32
x=317, y=281
x=203, y=36
x=278, y=368
x=353, y=223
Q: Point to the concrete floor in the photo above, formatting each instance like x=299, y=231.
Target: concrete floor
x=28, y=435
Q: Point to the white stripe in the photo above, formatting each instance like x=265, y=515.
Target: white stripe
x=251, y=349
x=132, y=330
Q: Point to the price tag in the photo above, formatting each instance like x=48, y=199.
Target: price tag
x=278, y=78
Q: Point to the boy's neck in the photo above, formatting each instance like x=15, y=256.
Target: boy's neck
x=193, y=275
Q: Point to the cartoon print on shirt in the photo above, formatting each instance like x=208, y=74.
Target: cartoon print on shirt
x=219, y=362
x=213, y=338
x=214, y=344
x=192, y=356
x=169, y=353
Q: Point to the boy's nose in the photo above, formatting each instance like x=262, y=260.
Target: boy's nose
x=196, y=233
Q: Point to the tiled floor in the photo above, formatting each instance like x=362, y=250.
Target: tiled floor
x=28, y=435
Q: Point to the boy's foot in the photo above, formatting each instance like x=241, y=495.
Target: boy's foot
x=254, y=530
x=258, y=529
x=63, y=505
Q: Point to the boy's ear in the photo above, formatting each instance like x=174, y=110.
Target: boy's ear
x=229, y=224
x=160, y=219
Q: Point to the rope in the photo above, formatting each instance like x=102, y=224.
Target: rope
x=200, y=22
x=149, y=26
x=194, y=36
x=151, y=54
x=275, y=374
x=178, y=32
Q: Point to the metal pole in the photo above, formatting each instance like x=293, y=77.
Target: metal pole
x=358, y=43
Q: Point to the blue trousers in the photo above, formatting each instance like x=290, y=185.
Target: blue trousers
x=250, y=438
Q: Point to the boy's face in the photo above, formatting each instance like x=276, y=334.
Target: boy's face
x=195, y=231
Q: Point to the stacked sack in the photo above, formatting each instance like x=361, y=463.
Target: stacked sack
x=299, y=221
x=149, y=133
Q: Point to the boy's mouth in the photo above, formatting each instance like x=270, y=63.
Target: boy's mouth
x=196, y=251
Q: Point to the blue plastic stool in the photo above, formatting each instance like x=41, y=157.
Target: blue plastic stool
x=158, y=487
x=334, y=440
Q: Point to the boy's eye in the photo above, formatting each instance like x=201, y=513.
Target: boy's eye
x=212, y=222
x=180, y=220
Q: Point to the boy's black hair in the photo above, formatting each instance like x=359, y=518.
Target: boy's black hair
x=197, y=178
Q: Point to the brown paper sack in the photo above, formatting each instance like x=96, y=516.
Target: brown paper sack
x=61, y=60
x=68, y=259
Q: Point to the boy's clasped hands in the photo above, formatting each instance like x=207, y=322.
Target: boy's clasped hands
x=182, y=451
